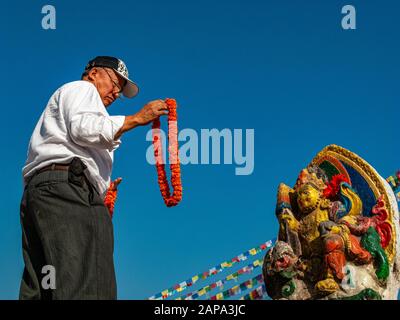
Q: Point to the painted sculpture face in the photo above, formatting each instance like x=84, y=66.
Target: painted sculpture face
x=308, y=198
x=281, y=257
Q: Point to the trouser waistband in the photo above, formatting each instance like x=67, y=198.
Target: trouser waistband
x=74, y=174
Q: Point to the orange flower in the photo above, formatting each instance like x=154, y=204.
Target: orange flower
x=109, y=200
x=111, y=196
x=173, y=150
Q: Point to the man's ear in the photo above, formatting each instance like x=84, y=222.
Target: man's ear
x=92, y=74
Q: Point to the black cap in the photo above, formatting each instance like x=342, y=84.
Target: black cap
x=130, y=89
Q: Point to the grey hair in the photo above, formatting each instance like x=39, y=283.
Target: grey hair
x=85, y=74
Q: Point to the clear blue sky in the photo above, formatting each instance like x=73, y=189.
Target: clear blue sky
x=283, y=68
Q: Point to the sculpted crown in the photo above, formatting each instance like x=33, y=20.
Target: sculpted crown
x=312, y=175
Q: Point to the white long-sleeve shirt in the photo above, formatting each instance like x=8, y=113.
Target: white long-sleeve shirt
x=75, y=123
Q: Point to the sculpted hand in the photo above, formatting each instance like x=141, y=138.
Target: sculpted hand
x=288, y=216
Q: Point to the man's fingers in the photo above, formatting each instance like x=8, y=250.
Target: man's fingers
x=161, y=112
x=115, y=183
x=163, y=106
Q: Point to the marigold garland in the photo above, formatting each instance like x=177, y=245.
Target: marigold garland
x=176, y=197
x=109, y=199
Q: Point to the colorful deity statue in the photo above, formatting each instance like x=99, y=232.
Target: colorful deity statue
x=338, y=233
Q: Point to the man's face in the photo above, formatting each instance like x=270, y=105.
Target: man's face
x=108, y=83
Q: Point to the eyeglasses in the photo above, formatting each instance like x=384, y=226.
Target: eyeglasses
x=115, y=84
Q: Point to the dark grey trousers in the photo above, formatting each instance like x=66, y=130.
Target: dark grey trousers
x=66, y=225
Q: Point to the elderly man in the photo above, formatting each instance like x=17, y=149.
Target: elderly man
x=67, y=233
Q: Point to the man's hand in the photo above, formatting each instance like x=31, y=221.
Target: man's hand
x=151, y=111
x=147, y=114
x=115, y=183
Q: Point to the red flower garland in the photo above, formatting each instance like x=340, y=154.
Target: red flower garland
x=169, y=200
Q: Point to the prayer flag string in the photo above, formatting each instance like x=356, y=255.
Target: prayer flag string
x=394, y=181
x=213, y=271
x=249, y=284
x=220, y=284
x=257, y=294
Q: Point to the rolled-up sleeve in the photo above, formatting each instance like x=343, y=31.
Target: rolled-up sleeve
x=87, y=121
x=96, y=130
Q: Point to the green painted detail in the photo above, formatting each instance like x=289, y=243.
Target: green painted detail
x=366, y=294
x=288, y=289
x=289, y=274
x=329, y=169
x=372, y=242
